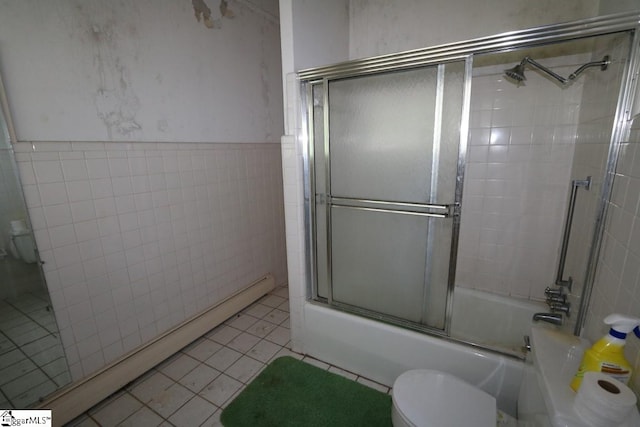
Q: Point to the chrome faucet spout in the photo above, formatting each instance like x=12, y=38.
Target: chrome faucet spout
x=553, y=318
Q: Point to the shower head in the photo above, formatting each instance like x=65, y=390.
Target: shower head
x=517, y=72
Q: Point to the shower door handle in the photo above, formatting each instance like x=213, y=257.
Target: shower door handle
x=409, y=208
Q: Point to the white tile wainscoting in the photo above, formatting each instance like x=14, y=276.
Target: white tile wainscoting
x=138, y=237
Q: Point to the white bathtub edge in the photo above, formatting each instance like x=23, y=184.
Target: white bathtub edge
x=381, y=352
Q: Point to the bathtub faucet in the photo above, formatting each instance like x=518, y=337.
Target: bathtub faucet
x=554, y=318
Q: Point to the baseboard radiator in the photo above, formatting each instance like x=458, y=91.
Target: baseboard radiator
x=71, y=401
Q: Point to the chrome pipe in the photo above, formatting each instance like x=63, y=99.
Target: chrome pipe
x=575, y=184
x=545, y=69
x=553, y=318
x=602, y=64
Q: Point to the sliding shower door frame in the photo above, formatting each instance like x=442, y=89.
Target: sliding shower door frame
x=465, y=50
x=430, y=209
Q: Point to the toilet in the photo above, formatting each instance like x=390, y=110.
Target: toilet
x=21, y=244
x=429, y=398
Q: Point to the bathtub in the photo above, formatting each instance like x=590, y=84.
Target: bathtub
x=381, y=352
x=492, y=320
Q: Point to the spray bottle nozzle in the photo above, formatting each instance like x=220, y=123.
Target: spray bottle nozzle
x=621, y=325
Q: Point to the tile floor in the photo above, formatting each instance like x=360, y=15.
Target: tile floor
x=193, y=386
x=32, y=361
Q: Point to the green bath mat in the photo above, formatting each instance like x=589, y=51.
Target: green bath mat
x=293, y=393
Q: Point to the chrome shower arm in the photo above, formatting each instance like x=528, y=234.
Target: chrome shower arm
x=602, y=64
x=545, y=69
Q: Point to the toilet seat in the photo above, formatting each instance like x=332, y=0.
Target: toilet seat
x=429, y=398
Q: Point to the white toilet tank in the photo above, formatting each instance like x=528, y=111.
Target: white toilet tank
x=21, y=243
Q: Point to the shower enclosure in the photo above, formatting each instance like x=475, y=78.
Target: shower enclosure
x=437, y=189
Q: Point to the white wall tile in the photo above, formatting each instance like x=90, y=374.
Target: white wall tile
x=47, y=171
x=78, y=190
x=53, y=193
x=75, y=170
x=125, y=239
x=511, y=165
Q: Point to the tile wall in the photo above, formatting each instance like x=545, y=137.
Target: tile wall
x=517, y=179
x=617, y=283
x=293, y=147
x=616, y=286
x=600, y=96
x=137, y=237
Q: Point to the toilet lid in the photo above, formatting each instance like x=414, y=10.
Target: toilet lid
x=435, y=399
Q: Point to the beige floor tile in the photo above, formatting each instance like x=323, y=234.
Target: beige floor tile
x=284, y=306
x=198, y=378
x=223, y=334
x=282, y=291
x=117, y=410
x=315, y=362
x=83, y=421
x=220, y=389
x=224, y=358
x=143, y=417
x=374, y=385
x=148, y=388
x=241, y=321
x=193, y=413
x=203, y=349
x=178, y=366
x=213, y=420
x=244, y=369
x=272, y=301
x=261, y=328
x=243, y=342
x=279, y=335
x=258, y=310
x=287, y=352
x=343, y=373
x=166, y=402
x=276, y=316
x=264, y=351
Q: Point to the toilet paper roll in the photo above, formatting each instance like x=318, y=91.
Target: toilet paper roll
x=603, y=401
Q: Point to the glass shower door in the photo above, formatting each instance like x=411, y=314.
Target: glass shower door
x=386, y=162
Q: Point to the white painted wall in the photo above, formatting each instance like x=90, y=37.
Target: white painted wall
x=143, y=208
x=141, y=70
x=378, y=27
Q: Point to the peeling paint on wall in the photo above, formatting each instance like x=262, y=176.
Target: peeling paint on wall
x=123, y=67
x=225, y=11
x=202, y=12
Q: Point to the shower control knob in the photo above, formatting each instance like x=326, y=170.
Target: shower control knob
x=557, y=298
x=550, y=293
x=562, y=307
